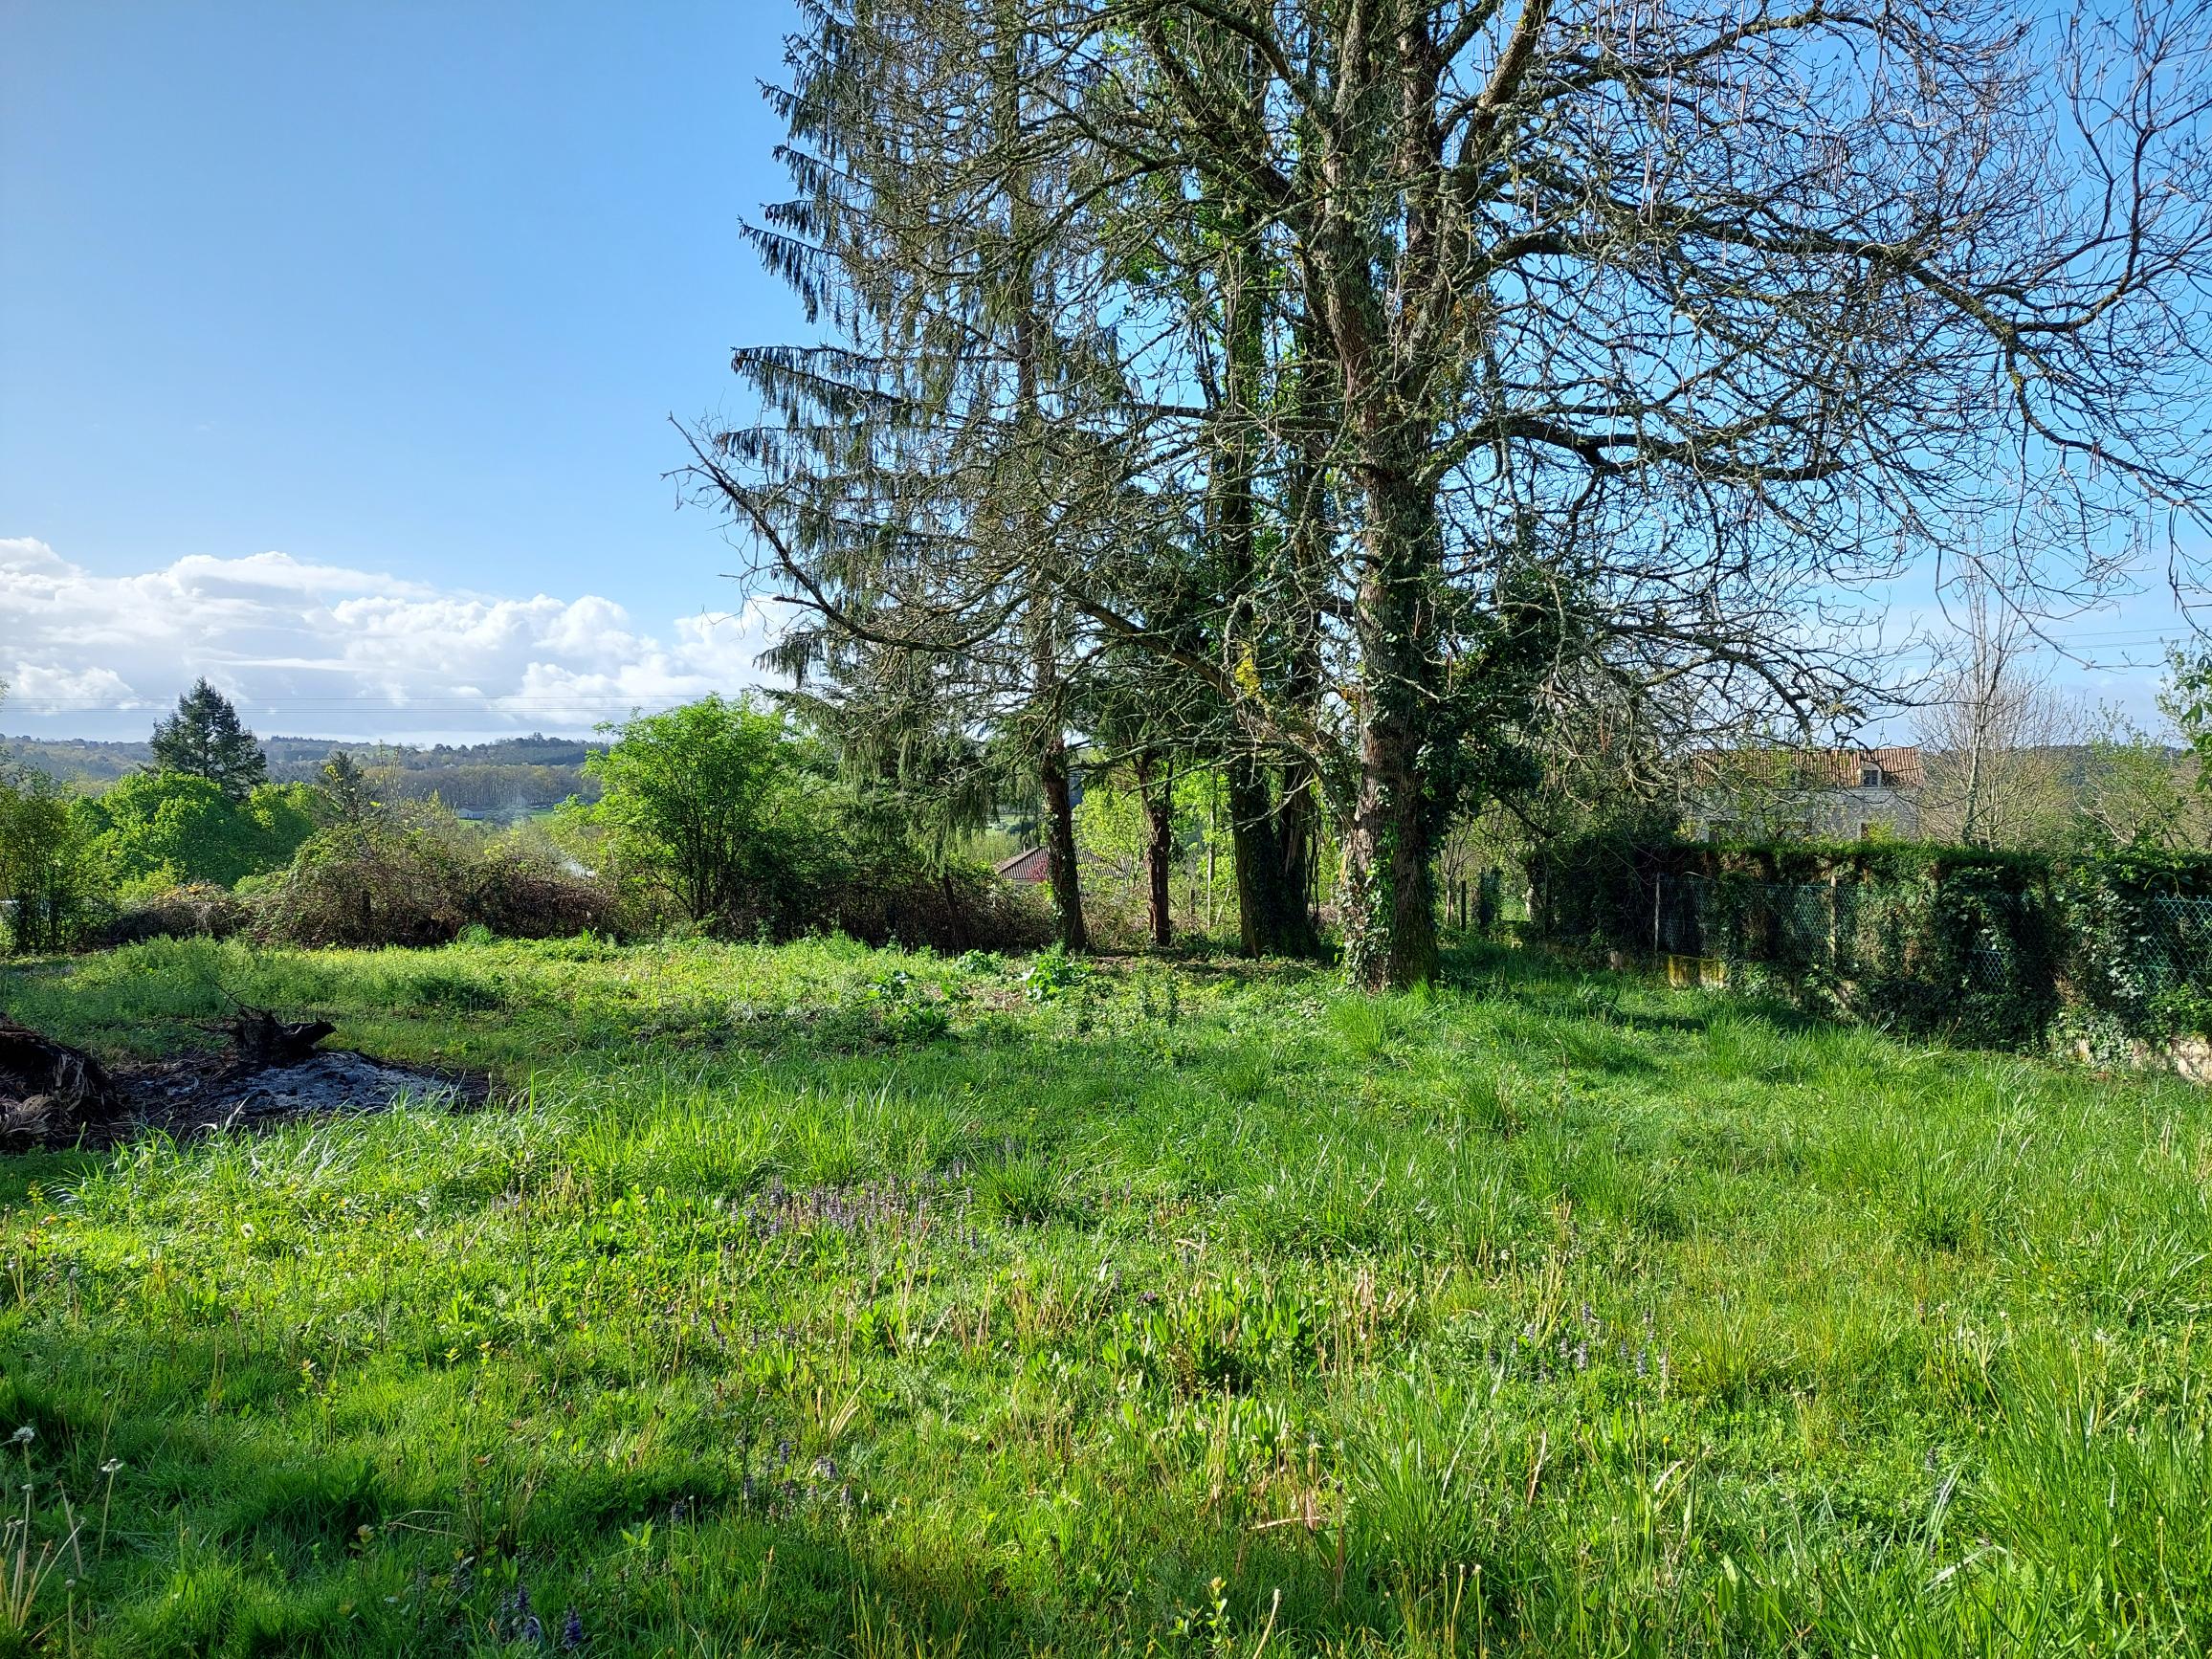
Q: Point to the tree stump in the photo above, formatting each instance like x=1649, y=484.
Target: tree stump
x=48, y=1090
x=263, y=1040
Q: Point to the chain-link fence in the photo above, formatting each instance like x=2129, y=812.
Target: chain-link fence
x=1834, y=936
x=2174, y=944
x=2110, y=950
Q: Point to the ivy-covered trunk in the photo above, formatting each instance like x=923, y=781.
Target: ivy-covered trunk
x=1272, y=844
x=1253, y=845
x=1297, y=852
x=1388, y=897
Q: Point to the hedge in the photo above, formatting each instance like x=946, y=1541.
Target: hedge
x=2114, y=948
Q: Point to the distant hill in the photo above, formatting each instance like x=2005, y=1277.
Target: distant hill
x=498, y=779
x=76, y=760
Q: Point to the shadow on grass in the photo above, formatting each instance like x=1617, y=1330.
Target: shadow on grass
x=229, y=1535
x=43, y=1173
x=1547, y=980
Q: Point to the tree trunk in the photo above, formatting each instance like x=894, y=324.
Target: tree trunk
x=1298, y=853
x=1273, y=848
x=1059, y=833
x=1256, y=856
x=1158, y=850
x=1272, y=919
x=1053, y=782
x=1389, y=893
x=1299, y=815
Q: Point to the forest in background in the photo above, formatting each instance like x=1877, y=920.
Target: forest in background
x=499, y=777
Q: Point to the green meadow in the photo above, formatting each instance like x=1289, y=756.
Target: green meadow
x=817, y=1299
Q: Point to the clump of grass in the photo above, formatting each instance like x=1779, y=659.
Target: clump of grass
x=1026, y=1193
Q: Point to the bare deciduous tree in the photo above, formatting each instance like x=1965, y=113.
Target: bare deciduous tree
x=1997, y=737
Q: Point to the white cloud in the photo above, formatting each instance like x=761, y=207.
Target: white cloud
x=317, y=649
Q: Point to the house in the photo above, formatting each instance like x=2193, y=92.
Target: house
x=1035, y=869
x=1030, y=866
x=1849, y=794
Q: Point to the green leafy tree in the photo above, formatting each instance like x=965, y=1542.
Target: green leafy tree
x=723, y=808
x=2186, y=700
x=50, y=882
x=205, y=739
x=160, y=828
x=2135, y=792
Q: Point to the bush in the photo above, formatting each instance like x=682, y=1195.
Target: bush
x=365, y=886
x=372, y=885
x=960, y=908
x=522, y=894
x=192, y=910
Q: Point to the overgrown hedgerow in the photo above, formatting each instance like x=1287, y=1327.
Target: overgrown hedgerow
x=375, y=885
x=1976, y=944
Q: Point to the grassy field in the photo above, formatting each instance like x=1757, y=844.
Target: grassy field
x=822, y=1301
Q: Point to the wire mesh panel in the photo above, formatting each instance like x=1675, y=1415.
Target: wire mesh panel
x=2175, y=948
x=1961, y=952
x=1678, y=914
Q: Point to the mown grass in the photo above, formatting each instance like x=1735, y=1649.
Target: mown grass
x=821, y=1301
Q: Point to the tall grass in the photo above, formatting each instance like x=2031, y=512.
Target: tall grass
x=820, y=1300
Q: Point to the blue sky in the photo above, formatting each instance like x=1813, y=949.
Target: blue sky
x=402, y=293
x=337, y=342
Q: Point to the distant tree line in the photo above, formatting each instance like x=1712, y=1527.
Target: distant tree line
x=540, y=771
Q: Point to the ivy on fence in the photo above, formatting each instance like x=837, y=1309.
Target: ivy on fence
x=2006, y=948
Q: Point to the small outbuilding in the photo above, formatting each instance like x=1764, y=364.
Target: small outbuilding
x=1032, y=867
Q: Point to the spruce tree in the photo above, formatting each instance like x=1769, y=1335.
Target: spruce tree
x=206, y=740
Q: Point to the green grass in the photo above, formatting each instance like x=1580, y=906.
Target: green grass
x=822, y=1301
